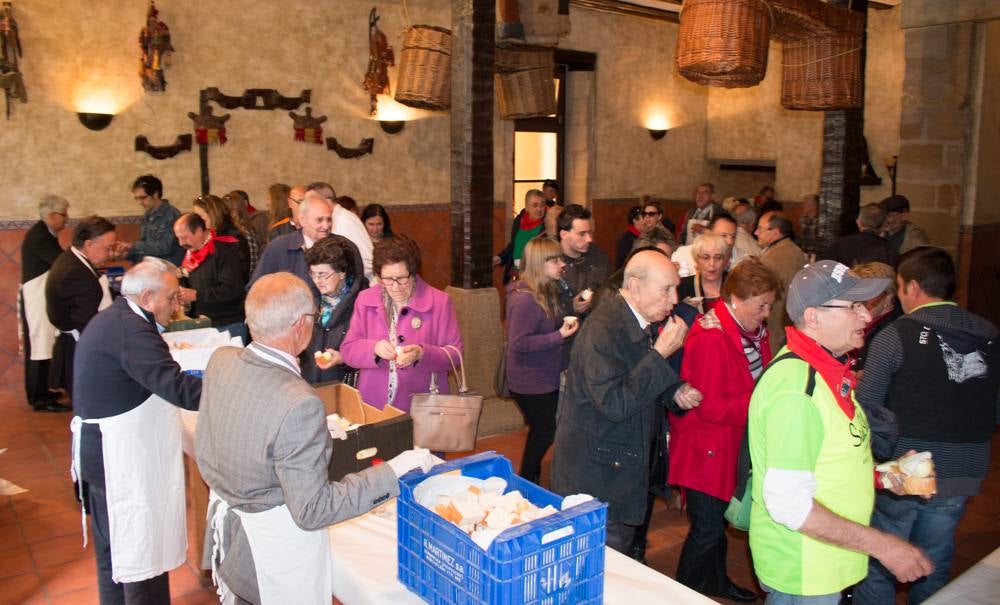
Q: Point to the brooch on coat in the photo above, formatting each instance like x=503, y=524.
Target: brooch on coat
x=415, y=323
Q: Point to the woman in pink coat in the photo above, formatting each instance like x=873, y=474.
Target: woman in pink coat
x=723, y=363
x=399, y=328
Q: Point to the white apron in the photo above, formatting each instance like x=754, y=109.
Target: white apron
x=293, y=565
x=144, y=483
x=41, y=333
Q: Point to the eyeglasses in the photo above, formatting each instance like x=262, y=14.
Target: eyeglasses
x=857, y=307
x=653, y=213
x=313, y=317
x=140, y=198
x=396, y=281
x=321, y=276
x=292, y=199
x=62, y=214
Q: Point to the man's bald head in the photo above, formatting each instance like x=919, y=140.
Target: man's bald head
x=650, y=285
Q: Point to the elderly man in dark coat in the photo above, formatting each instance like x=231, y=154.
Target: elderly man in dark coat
x=619, y=381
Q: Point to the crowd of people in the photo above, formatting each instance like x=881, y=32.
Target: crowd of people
x=742, y=348
x=719, y=356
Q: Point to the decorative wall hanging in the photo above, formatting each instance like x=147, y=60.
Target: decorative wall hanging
x=380, y=57
x=209, y=128
x=154, y=40
x=346, y=153
x=258, y=98
x=162, y=152
x=307, y=127
x=11, y=79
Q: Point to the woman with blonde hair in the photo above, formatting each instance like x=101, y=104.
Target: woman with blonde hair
x=703, y=290
x=536, y=330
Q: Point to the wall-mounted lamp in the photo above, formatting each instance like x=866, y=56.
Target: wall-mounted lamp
x=392, y=126
x=657, y=133
x=95, y=121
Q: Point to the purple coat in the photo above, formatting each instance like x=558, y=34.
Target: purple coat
x=533, y=344
x=428, y=320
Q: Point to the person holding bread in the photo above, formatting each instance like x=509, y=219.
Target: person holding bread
x=336, y=269
x=810, y=450
x=536, y=329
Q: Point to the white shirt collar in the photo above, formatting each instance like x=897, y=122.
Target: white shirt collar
x=308, y=242
x=643, y=324
x=277, y=356
x=83, y=259
x=138, y=311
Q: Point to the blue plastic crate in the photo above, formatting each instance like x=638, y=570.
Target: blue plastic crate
x=553, y=560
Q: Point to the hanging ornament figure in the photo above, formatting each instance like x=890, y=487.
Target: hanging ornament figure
x=10, y=52
x=307, y=127
x=209, y=128
x=154, y=40
x=380, y=57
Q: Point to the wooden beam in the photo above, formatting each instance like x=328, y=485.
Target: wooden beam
x=472, y=61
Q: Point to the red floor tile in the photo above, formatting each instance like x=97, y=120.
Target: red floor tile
x=15, y=561
x=66, y=523
x=18, y=590
x=60, y=550
x=69, y=577
x=86, y=596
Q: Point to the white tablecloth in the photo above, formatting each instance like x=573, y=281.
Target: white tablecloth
x=980, y=585
x=364, y=569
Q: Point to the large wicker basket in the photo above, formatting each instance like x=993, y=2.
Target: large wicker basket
x=424, y=79
x=724, y=42
x=800, y=19
x=528, y=93
x=822, y=73
x=514, y=58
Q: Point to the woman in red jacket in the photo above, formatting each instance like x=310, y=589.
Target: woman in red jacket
x=722, y=362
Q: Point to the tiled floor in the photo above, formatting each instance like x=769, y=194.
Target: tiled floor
x=42, y=560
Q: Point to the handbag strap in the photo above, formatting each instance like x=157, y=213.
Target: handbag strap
x=460, y=370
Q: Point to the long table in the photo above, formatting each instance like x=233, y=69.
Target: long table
x=979, y=585
x=364, y=569
x=364, y=555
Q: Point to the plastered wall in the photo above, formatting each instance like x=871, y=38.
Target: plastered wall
x=74, y=51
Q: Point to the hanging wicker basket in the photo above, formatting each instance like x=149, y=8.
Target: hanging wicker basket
x=724, y=42
x=515, y=58
x=800, y=19
x=424, y=79
x=822, y=73
x=528, y=93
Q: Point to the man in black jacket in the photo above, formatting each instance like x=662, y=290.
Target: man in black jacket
x=127, y=437
x=866, y=246
x=75, y=292
x=213, y=283
x=618, y=382
x=38, y=251
x=937, y=369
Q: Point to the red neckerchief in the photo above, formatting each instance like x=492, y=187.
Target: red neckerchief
x=836, y=374
x=527, y=224
x=631, y=229
x=194, y=258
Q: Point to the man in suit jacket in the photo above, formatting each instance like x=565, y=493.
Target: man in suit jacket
x=288, y=252
x=134, y=470
x=38, y=251
x=619, y=381
x=74, y=292
x=782, y=256
x=262, y=446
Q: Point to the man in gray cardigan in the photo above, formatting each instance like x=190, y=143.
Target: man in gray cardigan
x=262, y=446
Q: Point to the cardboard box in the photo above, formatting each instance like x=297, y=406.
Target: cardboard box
x=383, y=433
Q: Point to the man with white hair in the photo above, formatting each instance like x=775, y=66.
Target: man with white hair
x=619, y=381
x=38, y=251
x=345, y=223
x=288, y=252
x=263, y=447
x=127, y=439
